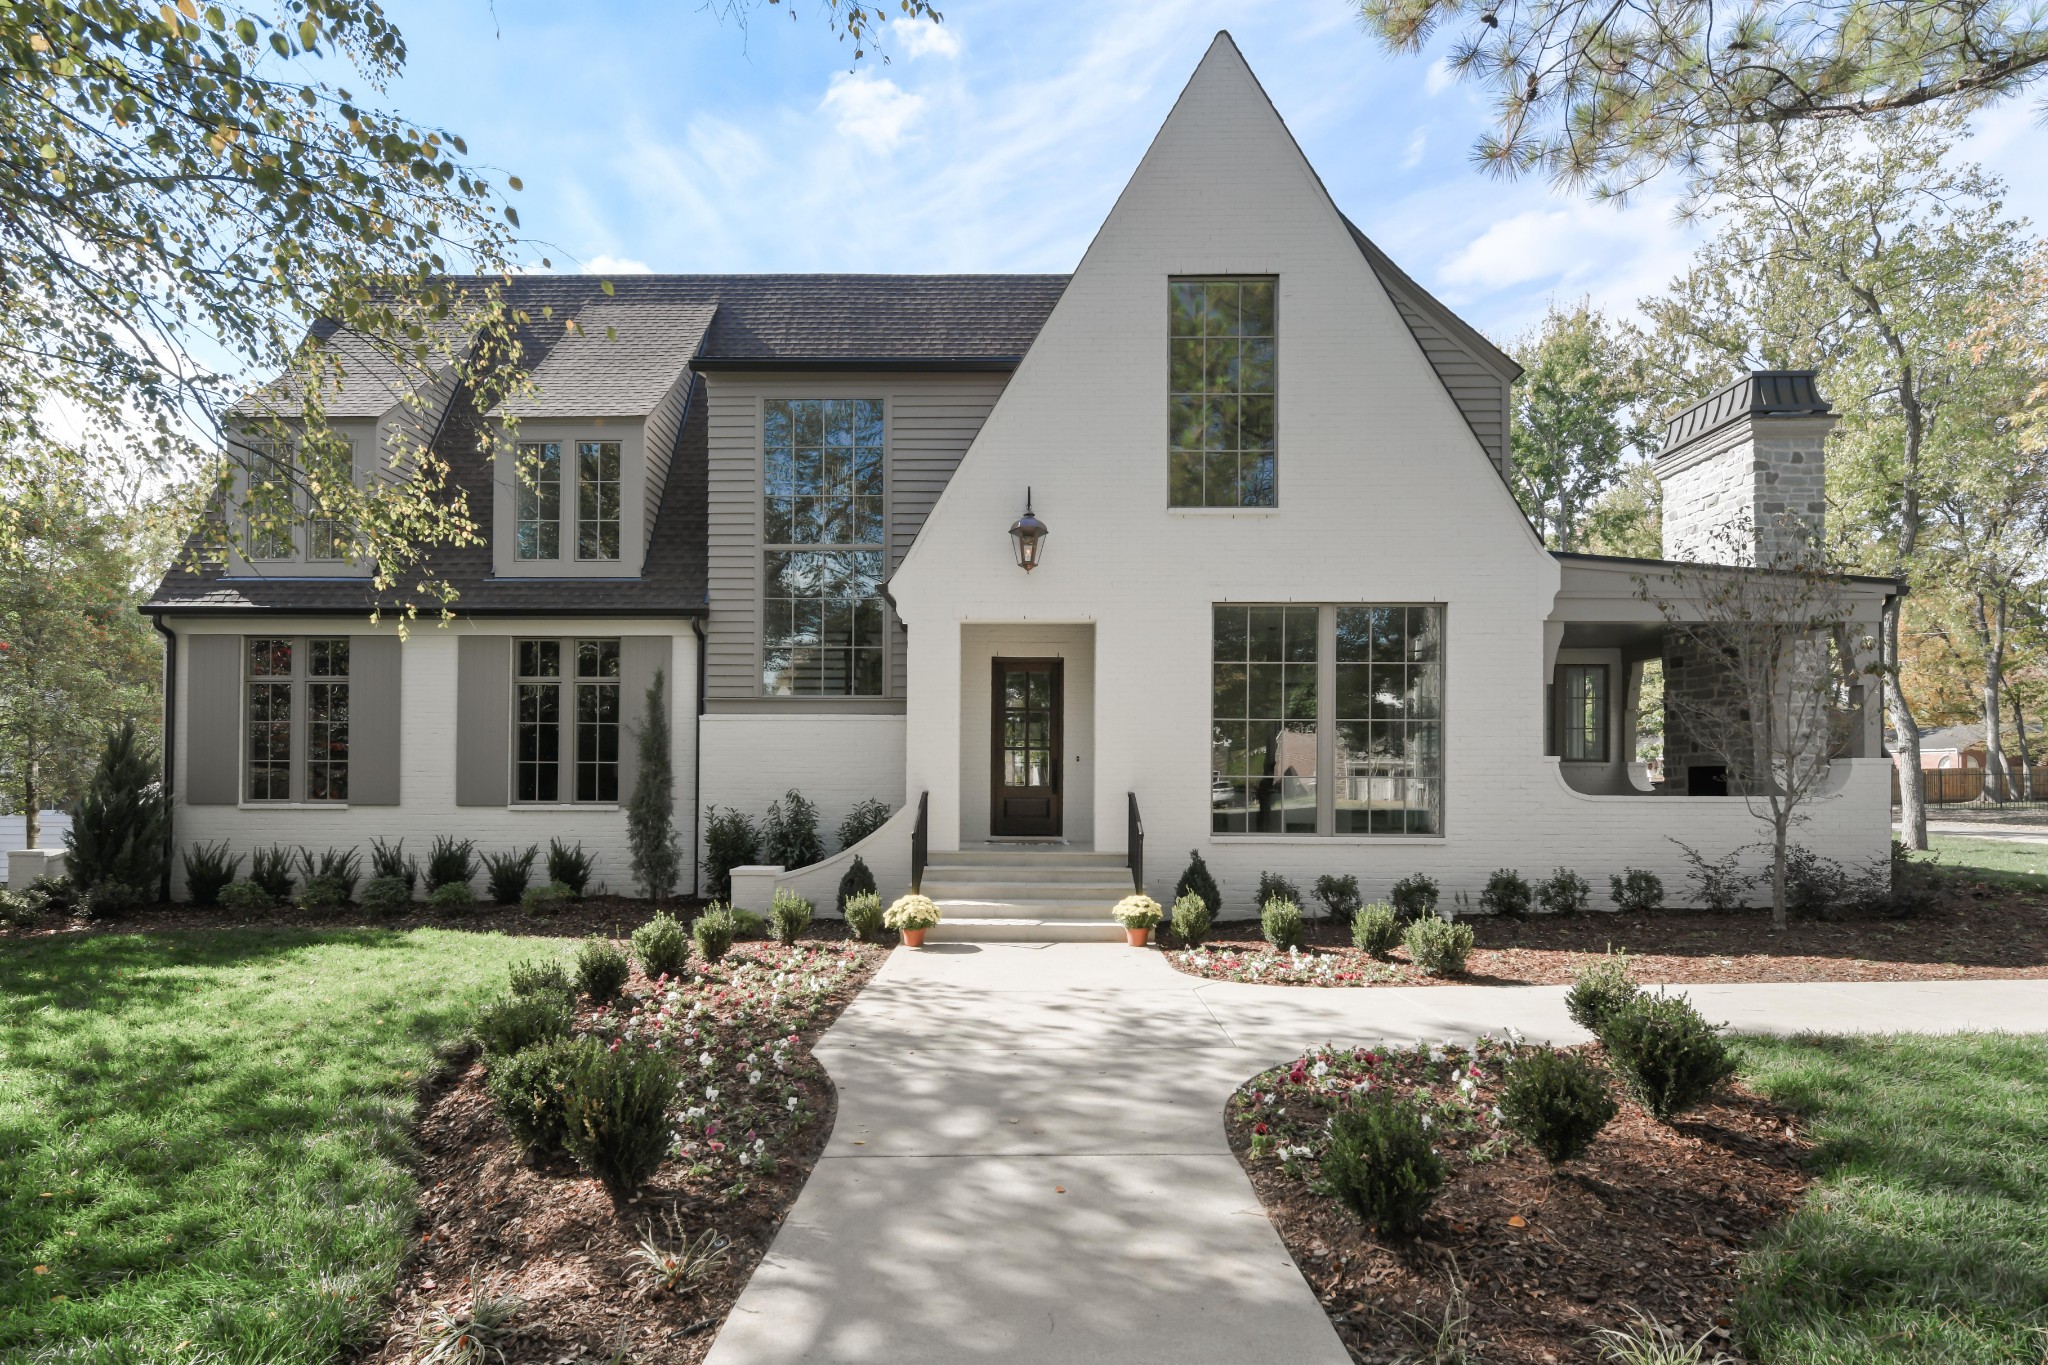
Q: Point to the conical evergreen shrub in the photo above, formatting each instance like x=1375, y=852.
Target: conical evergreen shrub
x=119, y=827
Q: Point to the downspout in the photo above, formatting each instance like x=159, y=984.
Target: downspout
x=697, y=768
x=170, y=750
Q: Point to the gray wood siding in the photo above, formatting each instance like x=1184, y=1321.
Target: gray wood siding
x=660, y=446
x=931, y=421
x=1480, y=391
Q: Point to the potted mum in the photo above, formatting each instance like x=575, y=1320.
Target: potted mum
x=1138, y=914
x=910, y=916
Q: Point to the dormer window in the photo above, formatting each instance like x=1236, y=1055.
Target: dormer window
x=597, y=500
x=539, y=532
x=278, y=500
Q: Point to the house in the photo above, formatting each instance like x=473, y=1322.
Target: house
x=1208, y=545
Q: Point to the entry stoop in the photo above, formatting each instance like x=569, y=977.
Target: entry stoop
x=1026, y=893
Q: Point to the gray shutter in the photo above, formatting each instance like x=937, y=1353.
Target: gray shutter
x=373, y=673
x=639, y=657
x=213, y=720
x=483, y=720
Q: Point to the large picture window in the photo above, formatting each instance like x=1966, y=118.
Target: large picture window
x=824, y=622
x=580, y=731
x=1351, y=693
x=1220, y=393
x=296, y=718
x=597, y=500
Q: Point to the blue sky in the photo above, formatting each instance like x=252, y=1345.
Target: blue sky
x=658, y=136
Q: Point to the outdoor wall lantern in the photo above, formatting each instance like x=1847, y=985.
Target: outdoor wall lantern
x=1029, y=533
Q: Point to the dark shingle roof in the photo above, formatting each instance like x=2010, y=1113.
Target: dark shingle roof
x=621, y=361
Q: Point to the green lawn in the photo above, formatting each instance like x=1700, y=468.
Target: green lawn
x=201, y=1135
x=2021, y=866
x=1925, y=1237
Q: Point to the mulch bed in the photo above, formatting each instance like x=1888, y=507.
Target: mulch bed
x=611, y=916
x=546, y=1234
x=1975, y=932
x=1651, y=1221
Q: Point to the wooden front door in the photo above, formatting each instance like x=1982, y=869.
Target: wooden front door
x=1025, y=793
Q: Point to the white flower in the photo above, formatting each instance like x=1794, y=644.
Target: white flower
x=704, y=1059
x=753, y=1078
x=746, y=1160
x=792, y=1104
x=1425, y=1123
x=711, y=1094
x=1320, y=1069
x=760, y=1144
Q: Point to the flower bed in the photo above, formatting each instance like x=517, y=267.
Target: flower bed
x=752, y=1112
x=1516, y=1263
x=1986, y=934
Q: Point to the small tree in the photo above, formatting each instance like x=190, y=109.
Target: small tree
x=1767, y=682
x=650, y=818
x=120, y=827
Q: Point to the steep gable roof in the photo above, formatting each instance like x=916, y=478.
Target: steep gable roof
x=620, y=360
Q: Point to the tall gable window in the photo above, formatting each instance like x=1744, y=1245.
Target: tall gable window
x=597, y=500
x=538, y=530
x=822, y=511
x=1220, y=393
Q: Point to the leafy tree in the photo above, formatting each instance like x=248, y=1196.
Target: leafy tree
x=1609, y=93
x=177, y=181
x=120, y=830
x=650, y=815
x=1571, y=419
x=1628, y=518
x=76, y=658
x=1861, y=252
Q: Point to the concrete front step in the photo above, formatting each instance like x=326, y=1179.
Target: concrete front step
x=1025, y=855
x=947, y=888
x=992, y=929
x=992, y=907
x=1024, y=874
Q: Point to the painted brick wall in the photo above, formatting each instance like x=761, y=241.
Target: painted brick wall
x=427, y=761
x=1385, y=495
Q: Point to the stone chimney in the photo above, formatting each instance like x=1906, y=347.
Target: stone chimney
x=1744, y=467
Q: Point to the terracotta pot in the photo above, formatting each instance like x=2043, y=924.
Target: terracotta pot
x=1136, y=937
x=913, y=938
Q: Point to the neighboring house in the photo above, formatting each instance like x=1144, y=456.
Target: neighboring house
x=1286, y=611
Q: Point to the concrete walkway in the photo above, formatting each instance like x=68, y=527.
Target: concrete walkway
x=1029, y=1162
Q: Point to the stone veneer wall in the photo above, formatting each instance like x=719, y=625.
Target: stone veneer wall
x=1742, y=493
x=1740, y=489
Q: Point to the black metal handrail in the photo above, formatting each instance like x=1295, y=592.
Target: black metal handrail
x=920, y=842
x=1134, y=844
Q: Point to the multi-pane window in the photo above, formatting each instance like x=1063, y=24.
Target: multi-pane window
x=270, y=512
x=1263, y=777
x=597, y=720
x=296, y=710
x=1354, y=692
x=537, y=726
x=1220, y=393
x=1584, y=720
x=597, y=500
x=1389, y=720
x=545, y=740
x=327, y=719
x=270, y=720
x=822, y=513
x=538, y=500
x=326, y=537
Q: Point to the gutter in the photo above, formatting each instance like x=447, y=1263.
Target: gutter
x=867, y=363
x=697, y=764
x=170, y=748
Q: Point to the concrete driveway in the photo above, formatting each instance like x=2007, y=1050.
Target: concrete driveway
x=1029, y=1162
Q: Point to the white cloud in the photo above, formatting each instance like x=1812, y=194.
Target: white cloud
x=615, y=265
x=1417, y=146
x=1440, y=77
x=923, y=38
x=871, y=109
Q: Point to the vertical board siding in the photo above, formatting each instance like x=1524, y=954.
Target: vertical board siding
x=483, y=721
x=932, y=419
x=213, y=719
x=373, y=686
x=640, y=657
